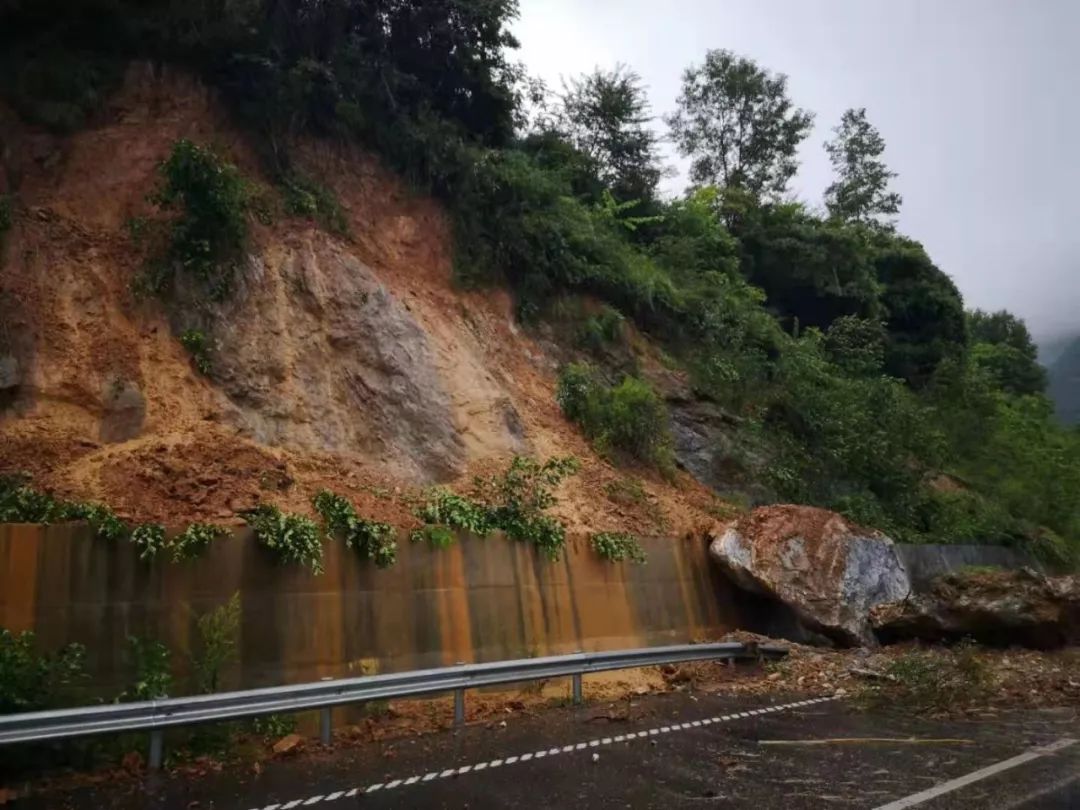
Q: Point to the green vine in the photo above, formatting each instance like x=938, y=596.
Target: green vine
x=447, y=508
x=370, y=539
x=194, y=540
x=618, y=547
x=514, y=502
x=291, y=538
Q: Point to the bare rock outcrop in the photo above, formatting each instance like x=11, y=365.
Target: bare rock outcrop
x=827, y=570
x=995, y=607
x=315, y=352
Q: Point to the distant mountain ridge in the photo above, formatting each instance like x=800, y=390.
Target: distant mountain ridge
x=1064, y=386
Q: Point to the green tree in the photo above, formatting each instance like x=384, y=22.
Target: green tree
x=606, y=116
x=924, y=312
x=812, y=270
x=736, y=122
x=861, y=190
x=1003, y=349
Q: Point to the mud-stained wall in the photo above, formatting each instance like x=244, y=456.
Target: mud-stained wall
x=479, y=600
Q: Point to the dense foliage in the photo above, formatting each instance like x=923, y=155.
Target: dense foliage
x=515, y=502
x=208, y=232
x=370, y=539
x=629, y=417
x=291, y=538
x=31, y=679
x=842, y=353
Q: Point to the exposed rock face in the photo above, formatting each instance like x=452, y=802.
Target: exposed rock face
x=998, y=607
x=829, y=572
x=315, y=352
x=708, y=445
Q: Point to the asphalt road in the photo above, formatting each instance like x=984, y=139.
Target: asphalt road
x=667, y=751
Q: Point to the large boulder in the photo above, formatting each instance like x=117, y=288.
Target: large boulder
x=827, y=570
x=995, y=607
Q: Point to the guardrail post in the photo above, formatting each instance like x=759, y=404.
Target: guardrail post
x=326, y=721
x=576, y=680
x=459, y=707
x=157, y=750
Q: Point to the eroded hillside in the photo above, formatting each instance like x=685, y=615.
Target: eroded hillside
x=345, y=361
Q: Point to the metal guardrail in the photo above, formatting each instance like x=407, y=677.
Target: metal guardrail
x=155, y=716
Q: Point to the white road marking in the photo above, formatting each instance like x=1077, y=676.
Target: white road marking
x=975, y=776
x=566, y=749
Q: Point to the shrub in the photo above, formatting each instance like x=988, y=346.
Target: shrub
x=21, y=503
x=617, y=547
x=191, y=543
x=516, y=501
x=219, y=631
x=211, y=228
x=31, y=680
x=198, y=346
x=151, y=663
x=306, y=198
x=630, y=417
x=149, y=539
x=104, y=521
x=371, y=540
x=290, y=537
x=513, y=502
x=434, y=535
x=443, y=506
x=602, y=329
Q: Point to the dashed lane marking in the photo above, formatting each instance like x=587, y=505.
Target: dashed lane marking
x=550, y=752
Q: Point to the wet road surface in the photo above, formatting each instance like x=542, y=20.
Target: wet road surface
x=666, y=751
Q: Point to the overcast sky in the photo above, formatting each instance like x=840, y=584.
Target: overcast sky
x=976, y=99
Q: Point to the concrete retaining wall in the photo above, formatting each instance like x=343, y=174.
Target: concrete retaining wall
x=479, y=600
x=927, y=562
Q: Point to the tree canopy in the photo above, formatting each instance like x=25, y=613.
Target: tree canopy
x=735, y=121
x=606, y=115
x=860, y=192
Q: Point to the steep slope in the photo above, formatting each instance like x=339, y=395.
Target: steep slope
x=353, y=363
x=1064, y=386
